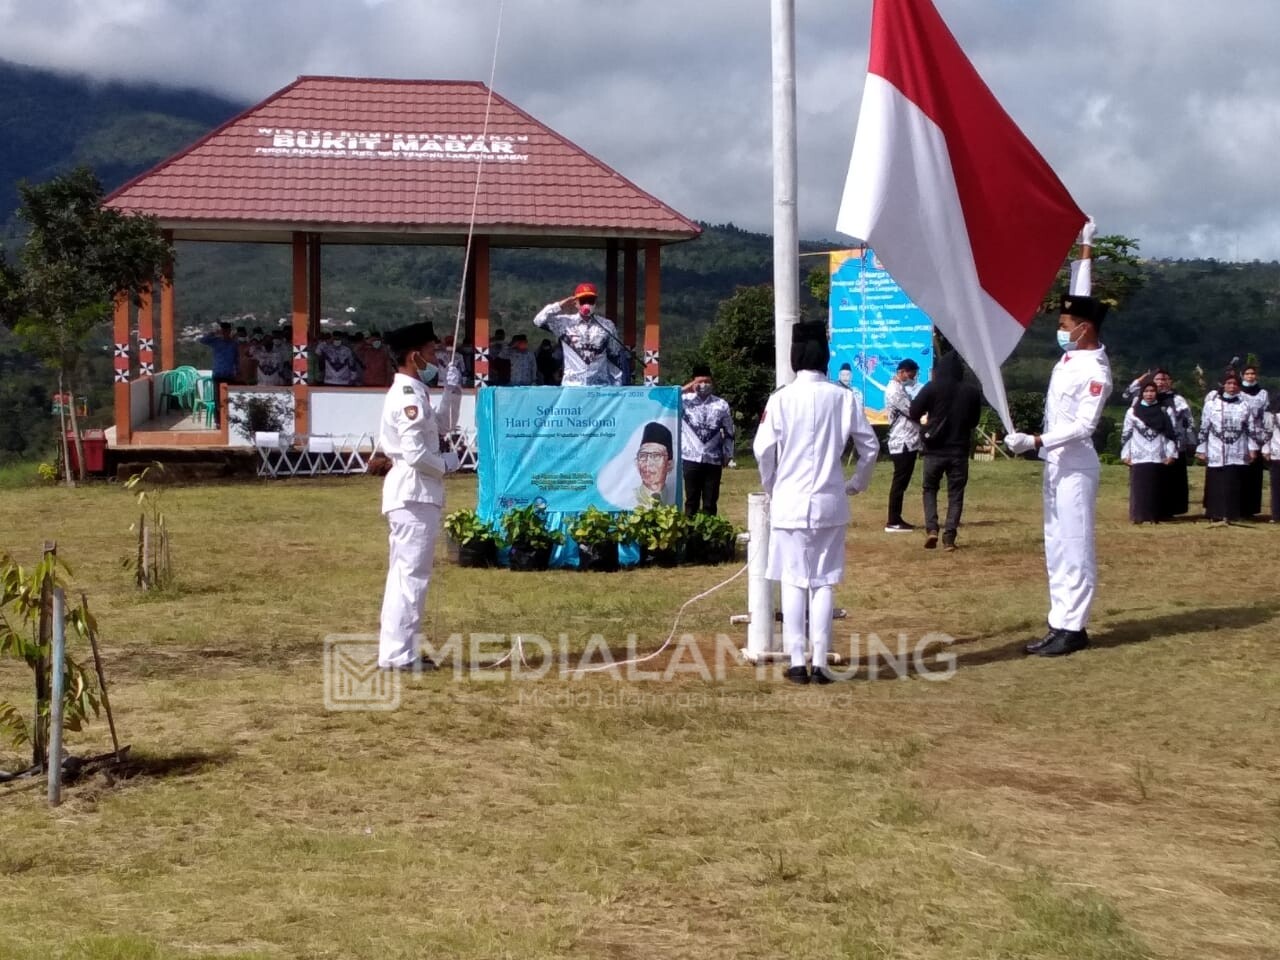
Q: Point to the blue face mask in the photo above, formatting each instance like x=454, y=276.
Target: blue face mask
x=428, y=373
x=1065, y=341
x=1148, y=403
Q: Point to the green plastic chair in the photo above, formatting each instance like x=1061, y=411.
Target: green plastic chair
x=205, y=400
x=177, y=389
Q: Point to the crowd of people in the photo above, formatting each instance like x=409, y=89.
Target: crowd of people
x=1239, y=433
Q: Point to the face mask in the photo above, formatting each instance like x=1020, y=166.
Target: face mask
x=1065, y=341
x=703, y=389
x=586, y=310
x=1249, y=383
x=428, y=373
x=242, y=339
x=376, y=344
x=1148, y=403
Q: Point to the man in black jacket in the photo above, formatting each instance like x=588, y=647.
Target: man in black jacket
x=952, y=408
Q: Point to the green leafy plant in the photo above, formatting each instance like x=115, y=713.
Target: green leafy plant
x=23, y=597
x=711, y=538
x=465, y=527
x=595, y=527
x=259, y=413
x=152, y=562
x=526, y=527
x=656, y=527
x=47, y=472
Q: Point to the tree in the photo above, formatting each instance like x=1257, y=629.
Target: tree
x=77, y=257
x=739, y=348
x=1117, y=272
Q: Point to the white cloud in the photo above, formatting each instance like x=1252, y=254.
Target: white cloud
x=1159, y=115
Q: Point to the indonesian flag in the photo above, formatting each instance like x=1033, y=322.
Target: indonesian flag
x=959, y=207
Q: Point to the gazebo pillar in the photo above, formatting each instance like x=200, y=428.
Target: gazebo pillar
x=120, y=364
x=629, y=271
x=313, y=287
x=300, y=315
x=652, y=291
x=611, y=279
x=167, y=339
x=146, y=334
x=480, y=272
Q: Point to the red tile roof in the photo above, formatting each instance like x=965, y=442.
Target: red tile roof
x=344, y=155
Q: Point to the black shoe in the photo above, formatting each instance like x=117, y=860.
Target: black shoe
x=931, y=540
x=425, y=665
x=821, y=675
x=900, y=527
x=1064, y=644
x=1035, y=646
x=797, y=674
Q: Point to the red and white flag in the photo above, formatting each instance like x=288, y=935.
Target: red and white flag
x=959, y=207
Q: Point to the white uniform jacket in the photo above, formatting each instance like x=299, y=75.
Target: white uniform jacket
x=410, y=436
x=799, y=445
x=1078, y=391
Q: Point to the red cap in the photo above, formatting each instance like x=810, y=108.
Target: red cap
x=586, y=290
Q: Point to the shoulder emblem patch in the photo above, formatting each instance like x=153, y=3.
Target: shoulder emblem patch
x=411, y=412
x=407, y=389
x=1095, y=388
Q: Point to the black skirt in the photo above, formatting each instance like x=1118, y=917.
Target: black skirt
x=1145, y=494
x=1275, y=487
x=1222, y=492
x=1251, y=488
x=1174, y=489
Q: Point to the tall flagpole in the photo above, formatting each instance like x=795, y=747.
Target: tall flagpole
x=786, y=229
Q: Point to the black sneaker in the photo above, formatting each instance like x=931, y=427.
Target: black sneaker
x=820, y=675
x=797, y=675
x=931, y=540
x=900, y=527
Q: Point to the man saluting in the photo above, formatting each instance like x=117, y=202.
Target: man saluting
x=592, y=350
x=412, y=495
x=1078, y=391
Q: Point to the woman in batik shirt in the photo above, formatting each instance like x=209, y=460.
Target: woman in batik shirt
x=1228, y=443
x=1148, y=445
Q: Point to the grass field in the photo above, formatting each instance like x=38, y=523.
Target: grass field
x=1121, y=803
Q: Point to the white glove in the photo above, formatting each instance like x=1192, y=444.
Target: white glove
x=1087, y=232
x=450, y=461
x=1020, y=442
x=853, y=487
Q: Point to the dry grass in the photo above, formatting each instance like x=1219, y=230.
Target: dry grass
x=1123, y=803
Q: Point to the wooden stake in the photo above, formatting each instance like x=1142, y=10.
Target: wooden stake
x=102, y=677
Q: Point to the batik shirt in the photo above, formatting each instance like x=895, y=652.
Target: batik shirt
x=592, y=351
x=273, y=365
x=904, y=433
x=1141, y=444
x=1228, y=432
x=706, y=434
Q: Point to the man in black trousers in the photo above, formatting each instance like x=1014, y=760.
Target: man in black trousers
x=950, y=409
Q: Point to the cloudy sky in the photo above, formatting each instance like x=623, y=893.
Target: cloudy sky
x=1161, y=116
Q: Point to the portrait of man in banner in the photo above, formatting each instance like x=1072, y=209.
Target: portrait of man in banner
x=646, y=468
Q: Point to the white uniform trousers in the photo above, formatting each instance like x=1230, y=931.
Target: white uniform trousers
x=1070, y=495
x=413, y=545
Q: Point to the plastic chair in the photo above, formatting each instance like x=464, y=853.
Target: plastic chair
x=205, y=401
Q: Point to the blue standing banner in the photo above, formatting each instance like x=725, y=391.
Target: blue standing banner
x=568, y=448
x=874, y=326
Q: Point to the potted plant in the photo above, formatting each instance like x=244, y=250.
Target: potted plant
x=659, y=529
x=711, y=539
x=477, y=540
x=597, y=536
x=531, y=541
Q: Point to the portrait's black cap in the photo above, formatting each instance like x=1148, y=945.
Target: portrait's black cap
x=701, y=370
x=411, y=337
x=655, y=432
x=809, y=346
x=909, y=365
x=1084, y=308
x=845, y=366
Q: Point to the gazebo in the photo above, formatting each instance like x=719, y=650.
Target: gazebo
x=343, y=160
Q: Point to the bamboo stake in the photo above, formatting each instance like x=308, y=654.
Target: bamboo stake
x=102, y=677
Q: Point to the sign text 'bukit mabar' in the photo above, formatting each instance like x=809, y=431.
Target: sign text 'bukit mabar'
x=298, y=142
